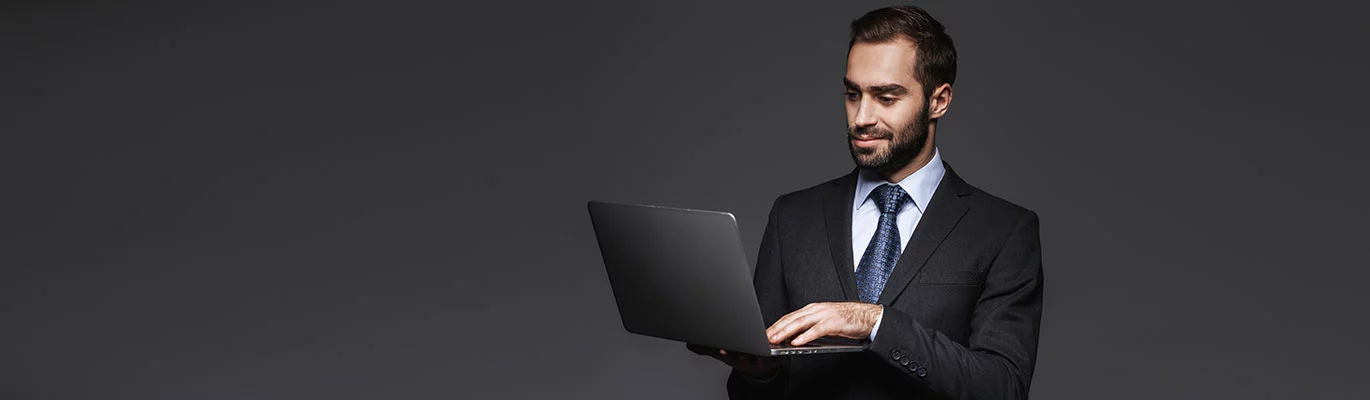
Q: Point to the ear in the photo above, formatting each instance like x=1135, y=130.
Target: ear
x=940, y=101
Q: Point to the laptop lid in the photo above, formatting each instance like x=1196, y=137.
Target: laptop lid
x=680, y=274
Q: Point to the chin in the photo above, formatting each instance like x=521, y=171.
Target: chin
x=867, y=158
x=869, y=163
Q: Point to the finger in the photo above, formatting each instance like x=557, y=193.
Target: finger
x=784, y=322
x=812, y=315
x=700, y=350
x=822, y=322
x=734, y=355
x=733, y=358
x=799, y=325
x=796, y=313
x=775, y=333
x=816, y=331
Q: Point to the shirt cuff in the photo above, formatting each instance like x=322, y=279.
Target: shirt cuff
x=879, y=318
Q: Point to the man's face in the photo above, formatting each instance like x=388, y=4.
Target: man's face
x=887, y=118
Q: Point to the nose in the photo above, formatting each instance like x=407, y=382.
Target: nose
x=865, y=114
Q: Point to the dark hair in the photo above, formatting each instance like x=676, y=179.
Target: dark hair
x=936, y=54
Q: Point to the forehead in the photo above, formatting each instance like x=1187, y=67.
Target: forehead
x=874, y=64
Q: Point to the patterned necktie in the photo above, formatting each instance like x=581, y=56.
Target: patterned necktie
x=883, y=250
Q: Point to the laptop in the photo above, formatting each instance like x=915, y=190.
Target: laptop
x=682, y=275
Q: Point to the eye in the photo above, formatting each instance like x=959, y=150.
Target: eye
x=852, y=96
x=888, y=100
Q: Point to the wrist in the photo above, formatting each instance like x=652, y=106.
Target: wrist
x=875, y=326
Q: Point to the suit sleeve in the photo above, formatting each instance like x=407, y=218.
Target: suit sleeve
x=770, y=292
x=998, y=361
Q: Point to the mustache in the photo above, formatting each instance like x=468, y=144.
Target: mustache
x=869, y=133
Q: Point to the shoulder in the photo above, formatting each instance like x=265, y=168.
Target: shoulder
x=998, y=204
x=991, y=210
x=811, y=197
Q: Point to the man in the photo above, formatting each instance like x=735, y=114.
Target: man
x=944, y=279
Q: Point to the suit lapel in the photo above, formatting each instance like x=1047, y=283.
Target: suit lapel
x=837, y=210
x=941, y=215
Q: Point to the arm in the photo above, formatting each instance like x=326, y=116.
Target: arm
x=770, y=292
x=1002, y=349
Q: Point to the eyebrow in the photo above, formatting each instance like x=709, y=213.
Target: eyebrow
x=893, y=88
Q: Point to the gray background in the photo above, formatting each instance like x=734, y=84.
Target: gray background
x=386, y=200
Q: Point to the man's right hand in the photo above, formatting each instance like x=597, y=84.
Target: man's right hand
x=757, y=367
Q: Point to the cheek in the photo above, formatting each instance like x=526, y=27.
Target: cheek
x=901, y=116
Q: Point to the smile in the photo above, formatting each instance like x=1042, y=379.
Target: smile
x=871, y=142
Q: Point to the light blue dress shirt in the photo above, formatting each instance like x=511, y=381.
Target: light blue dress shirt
x=866, y=214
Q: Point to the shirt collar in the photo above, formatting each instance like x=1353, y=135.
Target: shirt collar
x=920, y=185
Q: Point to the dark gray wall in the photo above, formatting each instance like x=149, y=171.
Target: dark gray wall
x=386, y=201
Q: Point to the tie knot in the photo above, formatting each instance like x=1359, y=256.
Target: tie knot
x=890, y=198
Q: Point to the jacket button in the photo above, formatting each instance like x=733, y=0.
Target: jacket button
x=897, y=355
x=913, y=367
x=903, y=361
x=922, y=372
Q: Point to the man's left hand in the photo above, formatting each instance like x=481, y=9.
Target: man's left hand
x=816, y=320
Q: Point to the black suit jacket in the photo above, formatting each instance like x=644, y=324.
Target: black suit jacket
x=962, y=305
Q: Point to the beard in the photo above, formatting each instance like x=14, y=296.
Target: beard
x=903, y=146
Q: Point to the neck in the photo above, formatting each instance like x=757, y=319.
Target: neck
x=924, y=156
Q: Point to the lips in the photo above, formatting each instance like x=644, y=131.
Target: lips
x=866, y=141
